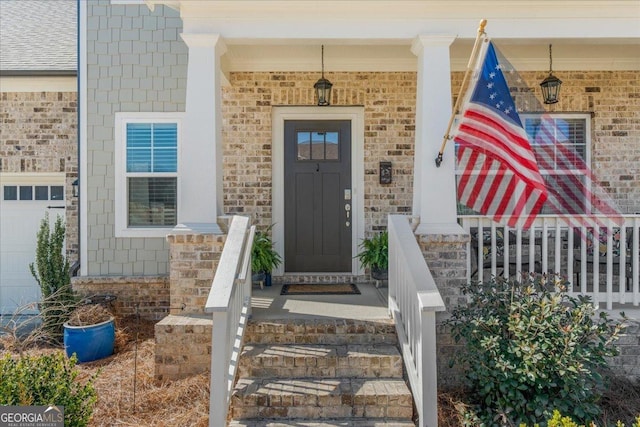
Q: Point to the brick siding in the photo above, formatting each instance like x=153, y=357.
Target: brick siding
x=146, y=296
x=39, y=133
x=389, y=114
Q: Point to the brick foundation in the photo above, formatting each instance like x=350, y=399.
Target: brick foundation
x=446, y=256
x=627, y=363
x=183, y=346
x=193, y=259
x=147, y=296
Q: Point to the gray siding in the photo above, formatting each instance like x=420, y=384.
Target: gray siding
x=136, y=62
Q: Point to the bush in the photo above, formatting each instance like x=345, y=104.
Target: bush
x=51, y=271
x=559, y=421
x=530, y=349
x=49, y=379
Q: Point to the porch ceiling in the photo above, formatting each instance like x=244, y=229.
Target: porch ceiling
x=376, y=35
x=525, y=55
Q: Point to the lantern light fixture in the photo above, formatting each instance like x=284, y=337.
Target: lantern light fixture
x=74, y=187
x=323, y=87
x=551, y=85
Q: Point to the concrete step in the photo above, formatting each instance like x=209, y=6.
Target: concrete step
x=360, y=422
x=323, y=361
x=321, y=399
x=321, y=331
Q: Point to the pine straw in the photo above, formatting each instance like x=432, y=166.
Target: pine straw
x=89, y=315
x=178, y=403
x=621, y=401
x=451, y=408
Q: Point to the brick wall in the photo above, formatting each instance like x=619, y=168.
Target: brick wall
x=193, y=262
x=389, y=112
x=446, y=256
x=183, y=347
x=145, y=296
x=389, y=102
x=628, y=361
x=38, y=133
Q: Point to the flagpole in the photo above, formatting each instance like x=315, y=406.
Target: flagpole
x=472, y=60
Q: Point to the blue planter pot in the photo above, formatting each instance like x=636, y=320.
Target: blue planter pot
x=91, y=342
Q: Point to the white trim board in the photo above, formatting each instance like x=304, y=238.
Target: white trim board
x=356, y=116
x=38, y=84
x=83, y=230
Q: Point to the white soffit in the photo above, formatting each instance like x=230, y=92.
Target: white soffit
x=533, y=56
x=279, y=35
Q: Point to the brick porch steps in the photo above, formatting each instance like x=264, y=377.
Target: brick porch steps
x=321, y=372
x=363, y=422
x=317, y=360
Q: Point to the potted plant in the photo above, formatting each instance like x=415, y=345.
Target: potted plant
x=374, y=254
x=89, y=333
x=263, y=257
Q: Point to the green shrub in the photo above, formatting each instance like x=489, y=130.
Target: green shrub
x=530, y=348
x=559, y=421
x=51, y=271
x=49, y=379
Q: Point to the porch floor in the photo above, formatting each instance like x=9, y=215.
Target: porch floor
x=371, y=304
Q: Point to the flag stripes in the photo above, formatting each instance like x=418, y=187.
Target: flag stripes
x=500, y=177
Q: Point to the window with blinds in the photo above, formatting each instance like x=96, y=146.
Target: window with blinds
x=561, y=143
x=151, y=174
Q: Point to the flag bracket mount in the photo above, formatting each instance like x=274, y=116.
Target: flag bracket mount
x=474, y=52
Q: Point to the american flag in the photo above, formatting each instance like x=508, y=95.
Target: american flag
x=499, y=173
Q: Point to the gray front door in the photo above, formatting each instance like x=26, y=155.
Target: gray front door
x=317, y=195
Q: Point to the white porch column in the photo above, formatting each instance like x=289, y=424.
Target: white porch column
x=201, y=150
x=434, y=190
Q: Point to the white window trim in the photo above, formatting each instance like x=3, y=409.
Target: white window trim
x=588, y=147
x=121, y=228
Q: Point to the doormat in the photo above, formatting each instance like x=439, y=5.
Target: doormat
x=320, y=289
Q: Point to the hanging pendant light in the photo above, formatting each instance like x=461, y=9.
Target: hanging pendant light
x=323, y=87
x=551, y=85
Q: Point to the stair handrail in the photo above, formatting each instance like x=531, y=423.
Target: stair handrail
x=229, y=303
x=413, y=301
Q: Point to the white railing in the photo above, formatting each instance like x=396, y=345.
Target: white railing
x=229, y=303
x=413, y=302
x=601, y=262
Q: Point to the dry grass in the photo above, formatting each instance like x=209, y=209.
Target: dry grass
x=89, y=315
x=450, y=408
x=621, y=401
x=128, y=394
x=177, y=403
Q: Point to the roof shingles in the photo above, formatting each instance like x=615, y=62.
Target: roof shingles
x=38, y=35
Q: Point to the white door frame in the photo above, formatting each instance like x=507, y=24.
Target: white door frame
x=356, y=116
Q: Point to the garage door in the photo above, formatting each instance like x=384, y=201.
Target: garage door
x=22, y=208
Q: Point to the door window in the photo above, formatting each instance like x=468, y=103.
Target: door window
x=312, y=146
